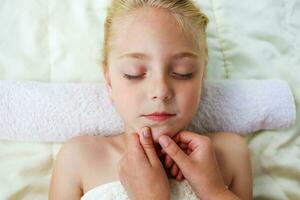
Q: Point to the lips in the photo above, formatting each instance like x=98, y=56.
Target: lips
x=159, y=116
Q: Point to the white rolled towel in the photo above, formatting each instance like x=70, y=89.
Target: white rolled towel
x=54, y=112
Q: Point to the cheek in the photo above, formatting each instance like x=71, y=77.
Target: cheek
x=126, y=101
x=189, y=99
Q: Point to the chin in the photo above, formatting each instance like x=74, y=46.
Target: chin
x=156, y=133
x=155, y=138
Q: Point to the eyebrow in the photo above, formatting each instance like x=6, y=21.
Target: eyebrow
x=176, y=56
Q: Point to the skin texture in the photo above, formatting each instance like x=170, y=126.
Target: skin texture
x=221, y=159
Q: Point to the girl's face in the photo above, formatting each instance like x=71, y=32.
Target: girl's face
x=153, y=68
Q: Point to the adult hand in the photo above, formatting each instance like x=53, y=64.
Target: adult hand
x=196, y=160
x=140, y=170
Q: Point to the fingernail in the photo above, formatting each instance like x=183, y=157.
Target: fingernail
x=146, y=133
x=164, y=141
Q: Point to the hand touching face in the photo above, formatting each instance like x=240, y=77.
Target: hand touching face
x=195, y=158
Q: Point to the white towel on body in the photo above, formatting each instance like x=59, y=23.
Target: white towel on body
x=115, y=191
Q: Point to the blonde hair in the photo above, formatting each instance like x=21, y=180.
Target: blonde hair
x=188, y=16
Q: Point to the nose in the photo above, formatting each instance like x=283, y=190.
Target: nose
x=161, y=89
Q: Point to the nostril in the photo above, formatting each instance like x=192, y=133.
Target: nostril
x=165, y=98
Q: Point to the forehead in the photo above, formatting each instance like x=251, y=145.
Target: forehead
x=150, y=30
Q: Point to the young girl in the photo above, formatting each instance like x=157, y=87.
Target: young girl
x=154, y=62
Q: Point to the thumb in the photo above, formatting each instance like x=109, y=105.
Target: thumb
x=174, y=151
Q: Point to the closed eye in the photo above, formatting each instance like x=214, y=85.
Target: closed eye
x=176, y=75
x=184, y=76
x=131, y=77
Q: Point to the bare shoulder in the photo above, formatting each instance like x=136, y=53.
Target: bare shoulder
x=80, y=149
x=75, y=157
x=233, y=156
x=85, y=147
x=100, y=157
x=230, y=144
x=232, y=152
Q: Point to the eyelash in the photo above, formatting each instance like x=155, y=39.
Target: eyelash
x=129, y=77
x=185, y=76
x=181, y=76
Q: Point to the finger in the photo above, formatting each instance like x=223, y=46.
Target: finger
x=183, y=145
x=168, y=161
x=176, y=138
x=179, y=176
x=148, y=145
x=192, y=140
x=174, y=170
x=135, y=149
x=174, y=151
